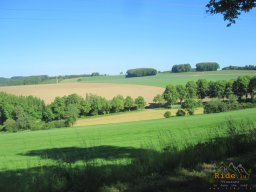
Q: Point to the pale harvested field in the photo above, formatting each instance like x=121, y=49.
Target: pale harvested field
x=148, y=114
x=48, y=92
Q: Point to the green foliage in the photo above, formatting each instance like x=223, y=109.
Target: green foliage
x=10, y=125
x=252, y=87
x=58, y=108
x=71, y=114
x=167, y=114
x=228, y=92
x=140, y=72
x=191, y=89
x=240, y=86
x=207, y=66
x=182, y=92
x=140, y=102
x=246, y=67
x=180, y=112
x=189, y=105
x=170, y=95
x=230, y=9
x=202, y=88
x=128, y=103
x=220, y=106
x=117, y=103
x=181, y=68
x=159, y=99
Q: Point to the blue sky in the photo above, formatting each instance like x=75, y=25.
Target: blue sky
x=58, y=37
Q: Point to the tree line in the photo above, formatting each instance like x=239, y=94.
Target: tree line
x=203, y=66
x=38, y=79
x=246, y=67
x=28, y=112
x=244, y=87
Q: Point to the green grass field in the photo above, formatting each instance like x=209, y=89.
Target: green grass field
x=18, y=149
x=162, y=79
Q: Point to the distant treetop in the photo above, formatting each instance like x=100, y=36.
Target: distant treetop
x=139, y=72
x=207, y=66
x=246, y=67
x=181, y=68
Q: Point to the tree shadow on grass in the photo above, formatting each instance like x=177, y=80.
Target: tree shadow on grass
x=73, y=154
x=148, y=171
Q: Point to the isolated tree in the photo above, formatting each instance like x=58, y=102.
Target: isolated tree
x=191, y=89
x=182, y=92
x=128, y=103
x=230, y=9
x=159, y=99
x=240, y=86
x=170, y=95
x=140, y=102
x=202, y=88
x=252, y=86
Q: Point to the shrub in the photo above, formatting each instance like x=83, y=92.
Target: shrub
x=180, y=112
x=10, y=125
x=167, y=114
x=215, y=107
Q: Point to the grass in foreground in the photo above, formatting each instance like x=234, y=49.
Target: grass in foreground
x=143, y=134
x=162, y=79
x=170, y=169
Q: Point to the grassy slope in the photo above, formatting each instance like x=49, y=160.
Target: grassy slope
x=162, y=79
x=135, y=134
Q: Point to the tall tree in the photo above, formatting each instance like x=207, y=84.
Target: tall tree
x=170, y=95
x=252, y=87
x=202, y=88
x=240, y=86
x=128, y=103
x=191, y=89
x=182, y=92
x=140, y=102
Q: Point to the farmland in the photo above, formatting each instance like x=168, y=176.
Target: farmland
x=162, y=79
x=48, y=92
x=119, y=148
